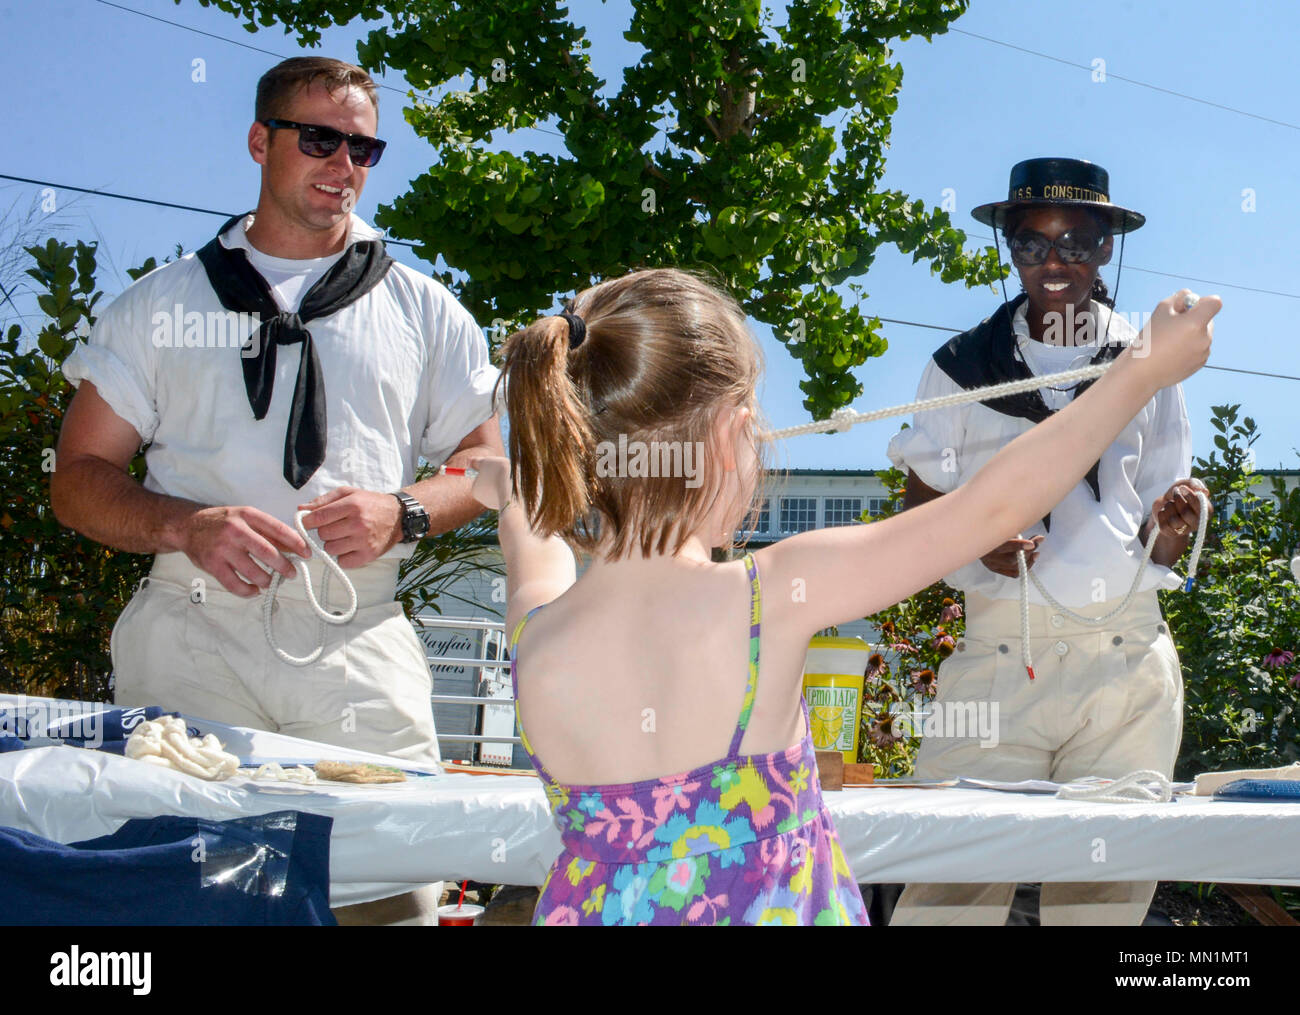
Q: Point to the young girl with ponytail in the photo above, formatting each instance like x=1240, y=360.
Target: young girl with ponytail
x=660, y=695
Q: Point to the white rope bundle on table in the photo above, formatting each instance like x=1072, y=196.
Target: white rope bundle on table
x=166, y=742
x=1141, y=787
x=272, y=770
x=323, y=615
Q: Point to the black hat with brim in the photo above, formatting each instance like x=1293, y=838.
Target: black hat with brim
x=1072, y=183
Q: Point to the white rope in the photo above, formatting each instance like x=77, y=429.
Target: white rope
x=841, y=419
x=322, y=614
x=1141, y=787
x=273, y=771
x=166, y=742
x=1026, y=576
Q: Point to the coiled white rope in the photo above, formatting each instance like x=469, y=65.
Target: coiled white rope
x=1141, y=787
x=322, y=614
x=1027, y=576
x=166, y=742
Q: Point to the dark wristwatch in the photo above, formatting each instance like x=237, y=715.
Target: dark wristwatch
x=415, y=520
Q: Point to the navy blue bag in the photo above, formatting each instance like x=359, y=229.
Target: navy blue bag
x=41, y=723
x=267, y=870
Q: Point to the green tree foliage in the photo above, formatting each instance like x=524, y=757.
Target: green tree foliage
x=750, y=148
x=1238, y=630
x=60, y=592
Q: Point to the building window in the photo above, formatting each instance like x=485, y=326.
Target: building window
x=842, y=510
x=763, y=524
x=798, y=514
x=876, y=506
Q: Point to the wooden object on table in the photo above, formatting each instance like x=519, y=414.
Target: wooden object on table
x=830, y=768
x=461, y=768
x=859, y=774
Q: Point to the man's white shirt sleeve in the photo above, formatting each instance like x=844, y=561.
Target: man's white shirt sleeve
x=461, y=379
x=931, y=447
x=119, y=359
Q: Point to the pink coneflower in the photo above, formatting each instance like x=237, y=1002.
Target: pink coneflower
x=943, y=643
x=924, y=682
x=875, y=666
x=1278, y=657
x=950, y=612
x=884, y=693
x=903, y=646
x=882, y=731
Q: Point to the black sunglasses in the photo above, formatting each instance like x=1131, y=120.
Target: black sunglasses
x=322, y=142
x=1077, y=246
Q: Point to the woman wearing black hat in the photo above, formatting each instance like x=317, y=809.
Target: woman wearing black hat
x=1103, y=701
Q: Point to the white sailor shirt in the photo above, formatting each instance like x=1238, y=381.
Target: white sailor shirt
x=1093, y=550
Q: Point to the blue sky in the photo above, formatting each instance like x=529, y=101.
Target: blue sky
x=103, y=98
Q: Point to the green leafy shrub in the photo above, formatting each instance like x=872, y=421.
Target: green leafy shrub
x=1238, y=630
x=916, y=635
x=59, y=592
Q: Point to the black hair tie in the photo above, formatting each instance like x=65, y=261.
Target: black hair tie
x=577, y=328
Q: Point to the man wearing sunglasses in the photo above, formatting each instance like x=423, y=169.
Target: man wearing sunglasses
x=1104, y=701
x=358, y=368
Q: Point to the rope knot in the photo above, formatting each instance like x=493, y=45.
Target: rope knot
x=842, y=418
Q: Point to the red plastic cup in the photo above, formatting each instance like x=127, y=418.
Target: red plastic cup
x=459, y=916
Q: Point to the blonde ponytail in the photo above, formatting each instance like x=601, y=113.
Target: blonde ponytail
x=550, y=426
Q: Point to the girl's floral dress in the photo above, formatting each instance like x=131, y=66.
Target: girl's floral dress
x=744, y=840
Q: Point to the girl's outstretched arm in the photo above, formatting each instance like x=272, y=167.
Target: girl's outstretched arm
x=537, y=569
x=832, y=576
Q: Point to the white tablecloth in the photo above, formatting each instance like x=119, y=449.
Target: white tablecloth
x=497, y=829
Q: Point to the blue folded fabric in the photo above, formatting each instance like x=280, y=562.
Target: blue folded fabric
x=42, y=723
x=1261, y=790
x=267, y=870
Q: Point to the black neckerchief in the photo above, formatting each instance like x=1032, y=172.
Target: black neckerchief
x=241, y=289
x=986, y=355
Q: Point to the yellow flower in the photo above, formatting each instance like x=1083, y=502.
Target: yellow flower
x=799, y=778
x=595, y=903
x=802, y=880
x=837, y=856
x=578, y=869
x=749, y=787
x=557, y=795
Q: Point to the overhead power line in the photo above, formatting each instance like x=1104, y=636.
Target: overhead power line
x=145, y=200
x=1208, y=366
x=257, y=49
x=1127, y=80
x=404, y=243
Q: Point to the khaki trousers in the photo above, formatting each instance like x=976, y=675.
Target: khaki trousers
x=1105, y=702
x=185, y=643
